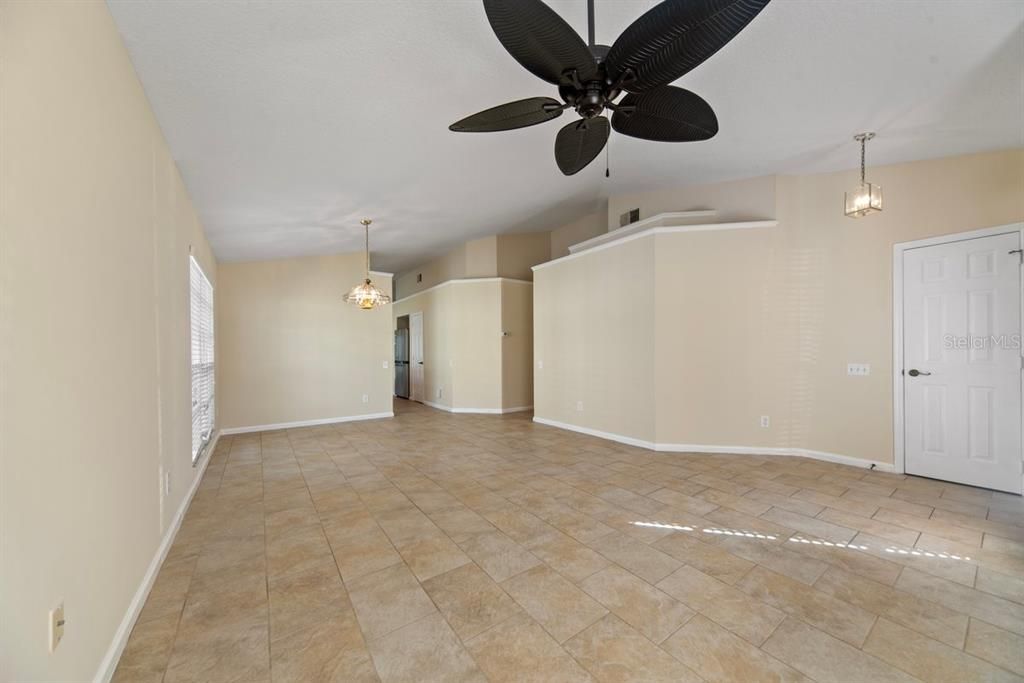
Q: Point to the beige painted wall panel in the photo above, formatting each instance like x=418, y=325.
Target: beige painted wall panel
x=436, y=307
x=852, y=262
x=764, y=322
x=481, y=257
x=517, y=347
x=449, y=266
x=580, y=230
x=594, y=333
x=475, y=339
x=95, y=227
x=518, y=252
x=738, y=200
x=290, y=348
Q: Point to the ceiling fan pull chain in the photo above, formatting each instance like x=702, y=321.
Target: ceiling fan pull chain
x=607, y=154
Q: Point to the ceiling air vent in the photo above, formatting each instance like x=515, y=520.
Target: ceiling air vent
x=631, y=216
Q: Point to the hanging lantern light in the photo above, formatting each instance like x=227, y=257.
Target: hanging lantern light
x=366, y=295
x=868, y=197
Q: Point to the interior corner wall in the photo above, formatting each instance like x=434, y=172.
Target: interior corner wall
x=579, y=230
x=466, y=358
x=519, y=252
x=737, y=200
x=594, y=341
x=436, y=307
x=96, y=227
x=475, y=341
x=291, y=350
x=759, y=322
x=516, y=344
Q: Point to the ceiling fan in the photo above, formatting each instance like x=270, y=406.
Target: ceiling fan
x=669, y=40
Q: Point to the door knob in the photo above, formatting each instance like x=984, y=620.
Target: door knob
x=915, y=372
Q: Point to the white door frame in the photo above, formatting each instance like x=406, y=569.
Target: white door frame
x=418, y=315
x=897, y=325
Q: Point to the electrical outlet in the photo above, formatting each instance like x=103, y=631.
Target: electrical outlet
x=858, y=369
x=579, y=406
x=766, y=421
x=56, y=626
x=366, y=398
x=385, y=365
x=439, y=392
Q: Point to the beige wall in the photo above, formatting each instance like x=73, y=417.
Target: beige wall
x=465, y=355
x=738, y=200
x=593, y=334
x=762, y=322
x=516, y=344
x=509, y=255
x=518, y=252
x=577, y=231
x=436, y=307
x=95, y=231
x=475, y=258
x=291, y=350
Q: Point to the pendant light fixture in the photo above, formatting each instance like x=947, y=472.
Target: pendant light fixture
x=366, y=295
x=868, y=197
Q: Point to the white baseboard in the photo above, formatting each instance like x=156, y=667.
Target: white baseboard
x=305, y=423
x=708, y=448
x=478, y=411
x=113, y=656
x=628, y=440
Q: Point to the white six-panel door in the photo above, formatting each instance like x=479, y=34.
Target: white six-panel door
x=962, y=361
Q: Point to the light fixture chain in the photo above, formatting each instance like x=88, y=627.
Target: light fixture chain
x=863, y=142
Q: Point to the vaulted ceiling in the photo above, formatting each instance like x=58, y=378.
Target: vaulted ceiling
x=292, y=120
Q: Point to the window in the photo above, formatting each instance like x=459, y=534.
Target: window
x=201, y=308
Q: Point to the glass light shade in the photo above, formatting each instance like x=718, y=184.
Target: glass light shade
x=867, y=198
x=367, y=296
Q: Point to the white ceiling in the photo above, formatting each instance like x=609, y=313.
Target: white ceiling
x=291, y=120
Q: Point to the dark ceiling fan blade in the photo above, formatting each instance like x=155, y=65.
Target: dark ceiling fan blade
x=579, y=143
x=539, y=39
x=674, y=37
x=511, y=115
x=665, y=114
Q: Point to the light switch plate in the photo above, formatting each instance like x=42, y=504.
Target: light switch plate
x=540, y=365
x=366, y=398
x=385, y=365
x=858, y=369
x=56, y=626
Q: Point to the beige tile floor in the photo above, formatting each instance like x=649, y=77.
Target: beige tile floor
x=437, y=547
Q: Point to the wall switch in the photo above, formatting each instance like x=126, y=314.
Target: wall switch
x=579, y=406
x=540, y=365
x=366, y=398
x=385, y=365
x=858, y=369
x=56, y=626
x=766, y=421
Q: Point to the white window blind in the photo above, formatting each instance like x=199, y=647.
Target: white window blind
x=201, y=308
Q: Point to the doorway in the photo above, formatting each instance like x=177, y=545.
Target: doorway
x=957, y=352
x=416, y=372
